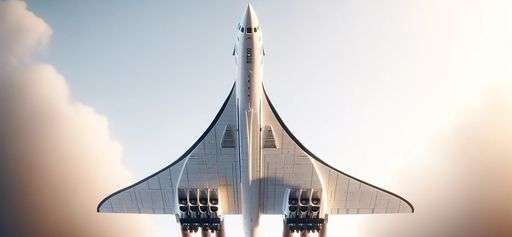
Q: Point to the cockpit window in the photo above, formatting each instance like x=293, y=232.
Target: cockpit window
x=248, y=30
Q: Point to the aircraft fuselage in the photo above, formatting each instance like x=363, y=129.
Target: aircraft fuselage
x=222, y=173
x=248, y=54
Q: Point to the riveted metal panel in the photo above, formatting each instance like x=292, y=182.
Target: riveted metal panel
x=291, y=165
x=205, y=165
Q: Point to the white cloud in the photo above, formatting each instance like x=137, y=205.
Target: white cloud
x=463, y=188
x=57, y=157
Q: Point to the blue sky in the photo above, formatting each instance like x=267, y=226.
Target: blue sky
x=366, y=85
x=159, y=71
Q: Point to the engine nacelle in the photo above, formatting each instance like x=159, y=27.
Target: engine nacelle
x=302, y=208
x=198, y=209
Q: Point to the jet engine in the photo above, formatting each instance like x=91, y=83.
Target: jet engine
x=302, y=215
x=199, y=210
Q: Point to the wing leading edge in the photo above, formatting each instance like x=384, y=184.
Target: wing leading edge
x=211, y=162
x=289, y=165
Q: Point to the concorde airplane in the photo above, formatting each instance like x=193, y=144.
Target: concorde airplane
x=248, y=163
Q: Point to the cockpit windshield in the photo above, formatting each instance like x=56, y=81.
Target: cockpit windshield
x=248, y=30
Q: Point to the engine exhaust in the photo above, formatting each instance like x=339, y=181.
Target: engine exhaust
x=286, y=231
x=185, y=232
x=220, y=231
x=205, y=232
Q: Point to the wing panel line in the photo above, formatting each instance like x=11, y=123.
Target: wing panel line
x=182, y=157
x=321, y=161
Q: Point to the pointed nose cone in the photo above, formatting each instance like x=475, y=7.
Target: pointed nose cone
x=250, y=19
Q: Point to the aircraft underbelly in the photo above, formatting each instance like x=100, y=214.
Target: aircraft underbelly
x=249, y=128
x=248, y=162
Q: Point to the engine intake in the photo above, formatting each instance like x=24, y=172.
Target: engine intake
x=302, y=212
x=198, y=209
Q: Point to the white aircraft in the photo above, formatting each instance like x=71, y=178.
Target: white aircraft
x=248, y=163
